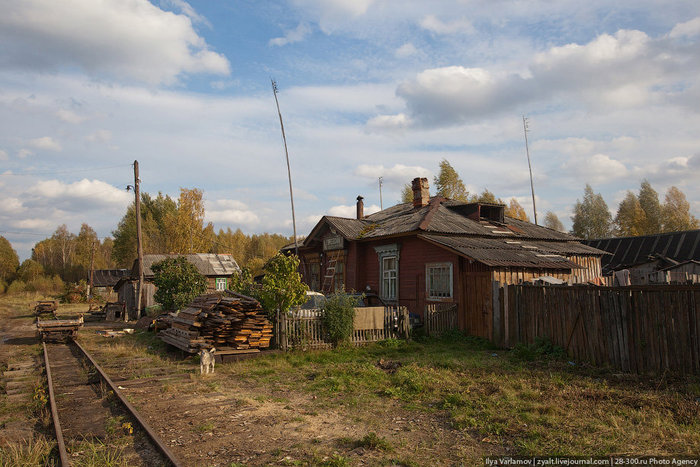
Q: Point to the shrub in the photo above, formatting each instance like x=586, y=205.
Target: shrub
x=3, y=286
x=542, y=349
x=178, y=282
x=282, y=287
x=337, y=315
x=16, y=287
x=74, y=292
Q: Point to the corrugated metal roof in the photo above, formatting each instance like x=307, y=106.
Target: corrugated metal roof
x=497, y=252
x=107, y=277
x=630, y=251
x=208, y=264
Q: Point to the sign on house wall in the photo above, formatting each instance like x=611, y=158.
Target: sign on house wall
x=333, y=243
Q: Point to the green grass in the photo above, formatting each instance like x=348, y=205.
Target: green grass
x=29, y=453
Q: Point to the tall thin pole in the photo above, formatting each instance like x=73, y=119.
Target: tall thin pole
x=532, y=185
x=92, y=272
x=139, y=242
x=289, y=171
x=381, y=204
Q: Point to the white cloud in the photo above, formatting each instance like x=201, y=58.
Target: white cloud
x=399, y=173
x=388, y=122
x=77, y=195
x=99, y=136
x=230, y=211
x=626, y=70
x=597, y=168
x=333, y=13
x=22, y=153
x=437, y=26
x=11, y=206
x=688, y=29
x=69, y=116
x=3, y=155
x=406, y=50
x=45, y=142
x=35, y=224
x=121, y=38
x=187, y=10
x=294, y=35
x=351, y=211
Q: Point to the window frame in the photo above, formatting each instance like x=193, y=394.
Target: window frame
x=388, y=252
x=428, y=278
x=220, y=280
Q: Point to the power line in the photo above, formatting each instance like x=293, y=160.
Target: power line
x=29, y=174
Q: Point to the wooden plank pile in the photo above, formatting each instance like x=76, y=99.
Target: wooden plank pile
x=232, y=324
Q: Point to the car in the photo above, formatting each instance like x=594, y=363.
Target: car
x=314, y=300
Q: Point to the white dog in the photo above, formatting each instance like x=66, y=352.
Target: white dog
x=207, y=360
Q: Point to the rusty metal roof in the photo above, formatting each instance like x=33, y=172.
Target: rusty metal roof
x=208, y=264
x=497, y=252
x=107, y=277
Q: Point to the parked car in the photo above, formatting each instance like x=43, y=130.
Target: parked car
x=314, y=300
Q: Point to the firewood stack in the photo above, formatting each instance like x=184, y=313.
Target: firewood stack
x=232, y=324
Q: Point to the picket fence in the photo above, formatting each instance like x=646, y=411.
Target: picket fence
x=440, y=318
x=304, y=329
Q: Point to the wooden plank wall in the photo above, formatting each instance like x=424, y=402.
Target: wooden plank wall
x=440, y=317
x=639, y=329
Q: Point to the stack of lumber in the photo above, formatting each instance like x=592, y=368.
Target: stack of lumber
x=231, y=324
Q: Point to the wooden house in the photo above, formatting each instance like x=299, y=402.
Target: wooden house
x=216, y=268
x=104, y=280
x=440, y=251
x=647, y=255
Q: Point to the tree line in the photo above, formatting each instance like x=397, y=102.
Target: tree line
x=637, y=214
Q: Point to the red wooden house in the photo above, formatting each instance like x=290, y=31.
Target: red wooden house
x=437, y=250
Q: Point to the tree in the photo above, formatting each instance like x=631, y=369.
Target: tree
x=516, y=211
x=487, y=197
x=187, y=233
x=676, y=214
x=282, y=287
x=178, y=282
x=448, y=184
x=630, y=219
x=29, y=270
x=407, y=193
x=649, y=203
x=551, y=221
x=9, y=261
x=591, y=219
x=338, y=315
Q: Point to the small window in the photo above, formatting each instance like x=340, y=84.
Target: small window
x=389, y=275
x=220, y=283
x=438, y=279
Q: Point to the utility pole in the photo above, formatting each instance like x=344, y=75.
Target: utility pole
x=532, y=186
x=139, y=243
x=92, y=272
x=289, y=172
x=381, y=205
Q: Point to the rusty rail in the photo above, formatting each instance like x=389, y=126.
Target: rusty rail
x=167, y=453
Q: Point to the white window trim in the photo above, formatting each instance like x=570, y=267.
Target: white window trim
x=385, y=251
x=428, y=266
x=220, y=280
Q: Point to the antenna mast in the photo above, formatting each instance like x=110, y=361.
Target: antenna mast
x=381, y=205
x=289, y=172
x=532, y=186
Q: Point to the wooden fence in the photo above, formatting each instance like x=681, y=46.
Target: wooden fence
x=440, y=317
x=641, y=329
x=305, y=330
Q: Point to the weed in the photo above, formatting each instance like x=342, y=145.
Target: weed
x=542, y=348
x=205, y=428
x=35, y=451
x=373, y=441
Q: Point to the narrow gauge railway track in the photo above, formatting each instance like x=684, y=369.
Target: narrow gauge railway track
x=88, y=409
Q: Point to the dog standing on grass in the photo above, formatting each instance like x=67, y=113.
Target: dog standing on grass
x=206, y=360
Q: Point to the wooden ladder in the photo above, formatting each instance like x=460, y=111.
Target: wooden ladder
x=329, y=276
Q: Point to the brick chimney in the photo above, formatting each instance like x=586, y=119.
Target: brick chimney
x=360, y=207
x=421, y=194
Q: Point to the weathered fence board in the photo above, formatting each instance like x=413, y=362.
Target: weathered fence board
x=440, y=317
x=641, y=329
x=304, y=330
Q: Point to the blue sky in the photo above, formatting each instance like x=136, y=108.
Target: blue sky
x=368, y=88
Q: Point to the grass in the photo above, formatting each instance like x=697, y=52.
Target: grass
x=28, y=453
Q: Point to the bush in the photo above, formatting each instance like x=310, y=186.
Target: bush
x=178, y=282
x=16, y=287
x=3, y=286
x=542, y=349
x=338, y=315
x=74, y=292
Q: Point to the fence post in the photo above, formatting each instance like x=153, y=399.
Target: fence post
x=427, y=320
x=496, y=306
x=283, y=330
x=506, y=318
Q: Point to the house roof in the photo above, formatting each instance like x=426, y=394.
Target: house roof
x=630, y=251
x=502, y=252
x=208, y=264
x=107, y=277
x=457, y=226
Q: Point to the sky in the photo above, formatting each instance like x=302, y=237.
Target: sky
x=367, y=88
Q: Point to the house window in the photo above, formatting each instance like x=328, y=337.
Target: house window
x=388, y=271
x=438, y=280
x=389, y=277
x=339, y=277
x=220, y=283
